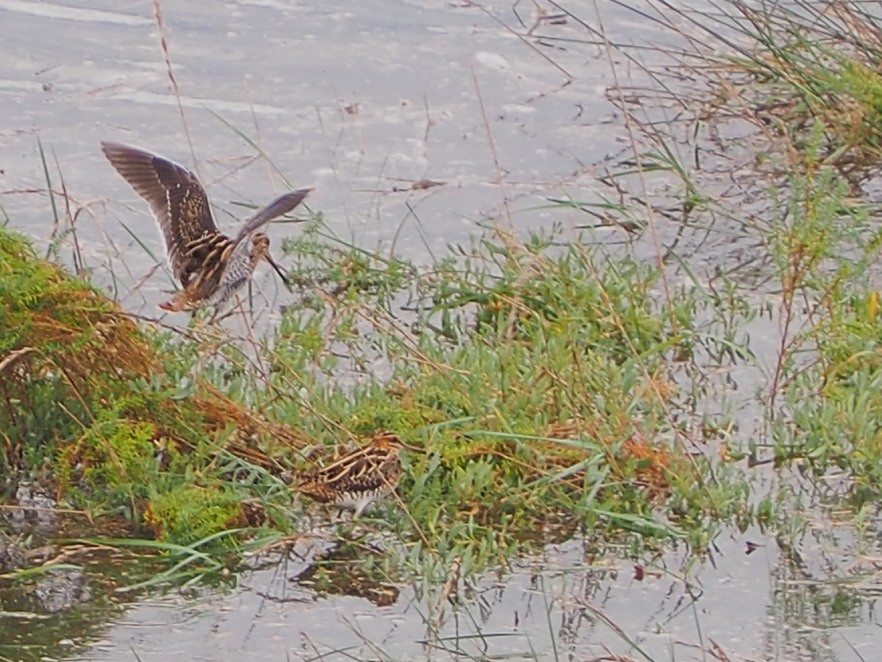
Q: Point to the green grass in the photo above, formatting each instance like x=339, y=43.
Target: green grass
x=538, y=377
x=830, y=406
x=813, y=89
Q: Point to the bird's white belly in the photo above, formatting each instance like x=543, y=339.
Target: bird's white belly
x=358, y=502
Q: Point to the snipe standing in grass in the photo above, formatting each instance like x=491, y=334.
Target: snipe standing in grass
x=211, y=266
x=359, y=478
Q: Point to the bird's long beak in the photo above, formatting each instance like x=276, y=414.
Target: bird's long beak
x=280, y=271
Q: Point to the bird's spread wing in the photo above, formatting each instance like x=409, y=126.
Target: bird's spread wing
x=176, y=198
x=281, y=205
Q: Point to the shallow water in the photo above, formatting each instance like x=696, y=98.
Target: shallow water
x=551, y=605
x=359, y=100
x=362, y=100
x=557, y=605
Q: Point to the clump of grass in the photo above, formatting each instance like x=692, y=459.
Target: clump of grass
x=544, y=379
x=828, y=368
x=539, y=378
x=89, y=401
x=797, y=67
x=807, y=74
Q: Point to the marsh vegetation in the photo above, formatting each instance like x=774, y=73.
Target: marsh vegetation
x=612, y=388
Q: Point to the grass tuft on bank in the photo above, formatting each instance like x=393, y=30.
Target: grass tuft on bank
x=90, y=409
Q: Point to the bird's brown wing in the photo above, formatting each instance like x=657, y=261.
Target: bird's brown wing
x=365, y=470
x=177, y=200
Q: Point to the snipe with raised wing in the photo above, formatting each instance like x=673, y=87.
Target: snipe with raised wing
x=210, y=266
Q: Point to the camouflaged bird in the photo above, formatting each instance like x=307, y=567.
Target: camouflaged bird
x=210, y=266
x=359, y=478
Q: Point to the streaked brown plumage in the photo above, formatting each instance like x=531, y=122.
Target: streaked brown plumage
x=210, y=265
x=359, y=478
